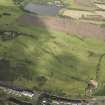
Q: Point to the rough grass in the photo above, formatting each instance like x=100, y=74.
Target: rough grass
x=66, y=61
x=6, y=2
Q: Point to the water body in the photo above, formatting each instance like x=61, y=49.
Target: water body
x=47, y=10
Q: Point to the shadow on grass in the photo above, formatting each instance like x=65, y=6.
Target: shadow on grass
x=65, y=66
x=19, y=56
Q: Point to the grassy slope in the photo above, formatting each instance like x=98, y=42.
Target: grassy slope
x=65, y=60
x=6, y=2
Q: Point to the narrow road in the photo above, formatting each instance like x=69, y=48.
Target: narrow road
x=56, y=100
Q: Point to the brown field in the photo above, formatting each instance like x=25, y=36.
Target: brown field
x=85, y=2
x=66, y=25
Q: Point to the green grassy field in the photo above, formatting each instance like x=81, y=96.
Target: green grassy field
x=6, y=2
x=48, y=60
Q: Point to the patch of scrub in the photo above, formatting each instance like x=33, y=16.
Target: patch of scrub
x=6, y=2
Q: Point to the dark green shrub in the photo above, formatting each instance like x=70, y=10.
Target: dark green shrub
x=41, y=80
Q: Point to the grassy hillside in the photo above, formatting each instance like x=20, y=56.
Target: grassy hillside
x=65, y=62
x=45, y=59
x=6, y=2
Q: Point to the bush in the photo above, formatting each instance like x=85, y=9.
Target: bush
x=18, y=2
x=41, y=80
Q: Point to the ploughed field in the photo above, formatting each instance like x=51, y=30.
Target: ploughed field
x=50, y=53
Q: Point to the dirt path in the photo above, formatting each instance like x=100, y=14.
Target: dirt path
x=65, y=25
